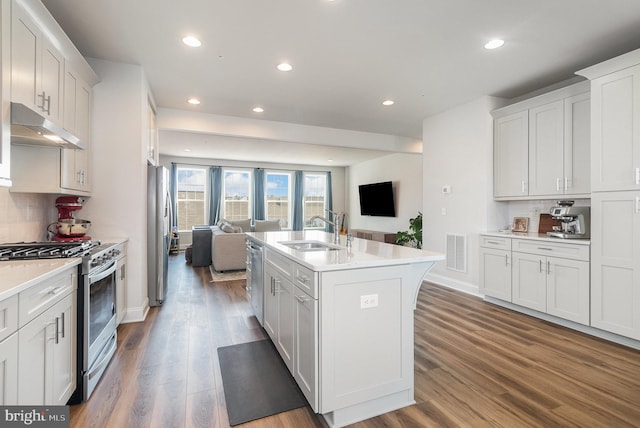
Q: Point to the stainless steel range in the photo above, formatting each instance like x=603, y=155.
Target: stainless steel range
x=96, y=302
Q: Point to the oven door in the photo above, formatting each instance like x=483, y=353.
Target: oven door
x=100, y=313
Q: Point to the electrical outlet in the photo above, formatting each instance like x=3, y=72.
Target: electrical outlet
x=368, y=301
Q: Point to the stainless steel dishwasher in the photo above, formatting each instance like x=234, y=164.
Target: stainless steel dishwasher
x=255, y=278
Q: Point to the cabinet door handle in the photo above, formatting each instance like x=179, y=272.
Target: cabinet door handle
x=545, y=249
x=302, y=278
x=548, y=267
x=540, y=266
x=637, y=205
x=566, y=184
x=57, y=330
x=41, y=96
x=48, y=101
x=523, y=186
x=637, y=175
x=493, y=242
x=557, y=184
x=62, y=318
x=303, y=299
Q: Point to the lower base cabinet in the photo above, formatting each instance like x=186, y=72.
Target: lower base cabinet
x=9, y=371
x=305, y=356
x=47, y=346
x=615, y=262
x=278, y=313
x=550, y=277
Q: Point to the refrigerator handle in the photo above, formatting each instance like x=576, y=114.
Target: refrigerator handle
x=170, y=220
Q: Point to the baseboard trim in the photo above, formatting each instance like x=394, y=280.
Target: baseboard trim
x=455, y=284
x=137, y=314
x=611, y=337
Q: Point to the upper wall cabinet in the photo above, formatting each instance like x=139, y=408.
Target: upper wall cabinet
x=615, y=129
x=5, y=82
x=37, y=67
x=541, y=146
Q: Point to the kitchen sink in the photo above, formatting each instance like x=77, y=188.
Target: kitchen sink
x=306, y=246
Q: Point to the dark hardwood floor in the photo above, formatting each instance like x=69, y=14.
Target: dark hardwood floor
x=476, y=365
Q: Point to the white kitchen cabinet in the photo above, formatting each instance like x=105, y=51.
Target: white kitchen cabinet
x=5, y=86
x=46, y=369
x=529, y=282
x=47, y=341
x=510, y=155
x=541, y=146
x=495, y=267
x=279, y=313
x=9, y=351
x=615, y=128
x=615, y=262
x=305, y=356
x=37, y=67
x=546, y=148
x=9, y=371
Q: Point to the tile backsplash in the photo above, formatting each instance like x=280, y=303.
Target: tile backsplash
x=25, y=216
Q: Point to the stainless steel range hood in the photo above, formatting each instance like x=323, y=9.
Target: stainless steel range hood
x=31, y=128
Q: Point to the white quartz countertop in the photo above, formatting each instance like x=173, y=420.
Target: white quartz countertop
x=537, y=237
x=18, y=275
x=363, y=253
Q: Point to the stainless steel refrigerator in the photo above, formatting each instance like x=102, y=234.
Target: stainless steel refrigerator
x=159, y=217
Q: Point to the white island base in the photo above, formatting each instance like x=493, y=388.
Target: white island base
x=342, y=319
x=367, y=353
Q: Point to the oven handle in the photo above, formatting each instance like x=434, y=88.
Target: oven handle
x=103, y=273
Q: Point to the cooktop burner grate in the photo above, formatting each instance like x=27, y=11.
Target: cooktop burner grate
x=46, y=250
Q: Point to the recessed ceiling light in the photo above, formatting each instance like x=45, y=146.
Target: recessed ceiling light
x=494, y=44
x=192, y=41
x=193, y=101
x=258, y=109
x=388, y=102
x=285, y=66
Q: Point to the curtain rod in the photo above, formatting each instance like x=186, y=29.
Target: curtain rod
x=243, y=167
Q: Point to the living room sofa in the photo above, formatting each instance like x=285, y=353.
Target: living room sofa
x=228, y=243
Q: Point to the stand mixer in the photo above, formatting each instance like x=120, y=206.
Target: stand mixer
x=574, y=221
x=68, y=228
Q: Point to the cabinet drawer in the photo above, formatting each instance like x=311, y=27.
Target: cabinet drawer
x=306, y=279
x=496, y=242
x=8, y=317
x=556, y=249
x=37, y=299
x=283, y=265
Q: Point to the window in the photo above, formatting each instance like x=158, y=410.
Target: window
x=315, y=195
x=236, y=191
x=191, y=207
x=278, y=198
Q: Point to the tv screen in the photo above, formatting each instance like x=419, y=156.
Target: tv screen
x=376, y=199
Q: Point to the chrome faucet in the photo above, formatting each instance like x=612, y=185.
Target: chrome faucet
x=340, y=220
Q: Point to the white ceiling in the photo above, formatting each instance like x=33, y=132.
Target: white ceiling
x=348, y=55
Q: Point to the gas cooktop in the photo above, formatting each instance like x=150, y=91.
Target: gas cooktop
x=46, y=250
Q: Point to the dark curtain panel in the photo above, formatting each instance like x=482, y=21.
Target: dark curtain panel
x=215, y=202
x=298, y=200
x=329, y=202
x=173, y=189
x=258, y=194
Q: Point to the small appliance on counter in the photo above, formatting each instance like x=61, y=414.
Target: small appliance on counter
x=68, y=228
x=574, y=221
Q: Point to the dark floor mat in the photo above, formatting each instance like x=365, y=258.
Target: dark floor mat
x=256, y=382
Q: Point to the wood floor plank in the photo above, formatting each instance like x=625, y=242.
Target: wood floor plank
x=476, y=365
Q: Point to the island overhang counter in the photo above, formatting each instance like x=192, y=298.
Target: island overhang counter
x=341, y=318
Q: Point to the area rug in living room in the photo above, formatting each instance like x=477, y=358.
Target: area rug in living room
x=256, y=382
x=227, y=276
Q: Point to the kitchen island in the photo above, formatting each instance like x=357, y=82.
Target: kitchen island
x=342, y=319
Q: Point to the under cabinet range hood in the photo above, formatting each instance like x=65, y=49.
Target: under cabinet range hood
x=31, y=128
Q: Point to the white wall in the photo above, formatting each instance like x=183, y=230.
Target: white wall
x=458, y=152
x=119, y=171
x=405, y=172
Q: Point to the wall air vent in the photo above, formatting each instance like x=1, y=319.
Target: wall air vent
x=457, y=252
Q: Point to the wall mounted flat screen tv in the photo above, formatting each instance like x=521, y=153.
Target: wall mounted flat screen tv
x=376, y=199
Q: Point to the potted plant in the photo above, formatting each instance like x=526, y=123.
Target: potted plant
x=413, y=236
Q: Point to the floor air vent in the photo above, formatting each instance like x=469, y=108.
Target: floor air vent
x=457, y=252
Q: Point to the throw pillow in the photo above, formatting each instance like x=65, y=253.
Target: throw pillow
x=229, y=228
x=267, y=225
x=245, y=225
